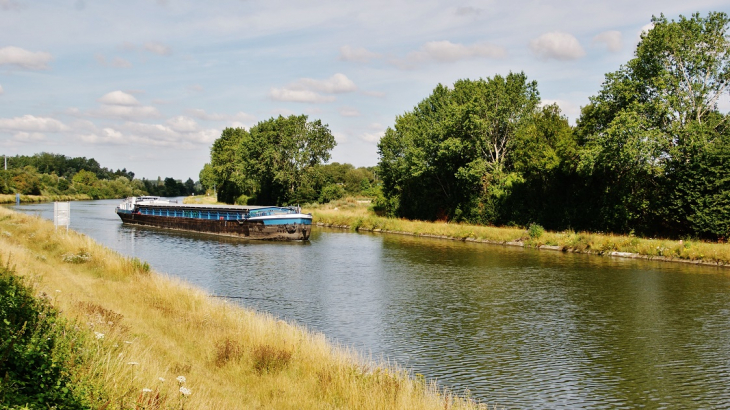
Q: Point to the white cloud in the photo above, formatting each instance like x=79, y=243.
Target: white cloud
x=25, y=59
x=178, y=132
x=448, y=52
x=183, y=124
x=117, y=62
x=338, y=83
x=359, y=55
x=612, y=39
x=349, y=112
x=203, y=115
x=121, y=105
x=157, y=48
x=30, y=123
x=646, y=28
x=196, y=88
x=643, y=31
x=377, y=132
x=10, y=5
x=29, y=137
x=2, y=91
x=125, y=112
x=557, y=45
x=118, y=98
x=372, y=136
x=378, y=94
x=468, y=11
x=307, y=90
x=303, y=96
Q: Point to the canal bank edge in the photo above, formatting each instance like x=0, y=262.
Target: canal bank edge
x=616, y=254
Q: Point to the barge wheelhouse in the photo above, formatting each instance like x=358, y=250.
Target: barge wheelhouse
x=251, y=222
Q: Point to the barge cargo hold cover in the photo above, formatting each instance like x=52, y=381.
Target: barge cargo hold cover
x=249, y=222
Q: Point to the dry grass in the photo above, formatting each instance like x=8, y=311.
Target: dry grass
x=202, y=200
x=156, y=329
x=10, y=198
x=355, y=215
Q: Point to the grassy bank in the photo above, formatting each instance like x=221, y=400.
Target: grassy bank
x=202, y=200
x=144, y=330
x=10, y=198
x=353, y=214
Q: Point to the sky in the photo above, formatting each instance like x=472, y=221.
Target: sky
x=148, y=85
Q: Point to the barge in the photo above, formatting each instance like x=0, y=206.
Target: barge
x=249, y=222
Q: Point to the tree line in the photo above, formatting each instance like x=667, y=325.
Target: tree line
x=649, y=154
x=56, y=174
x=280, y=161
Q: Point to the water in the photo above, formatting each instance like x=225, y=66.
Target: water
x=517, y=327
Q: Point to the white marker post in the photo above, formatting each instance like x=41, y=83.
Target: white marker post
x=62, y=214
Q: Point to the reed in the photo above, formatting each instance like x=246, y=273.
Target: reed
x=10, y=198
x=165, y=344
x=355, y=215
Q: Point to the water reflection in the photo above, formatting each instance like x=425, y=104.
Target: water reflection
x=524, y=328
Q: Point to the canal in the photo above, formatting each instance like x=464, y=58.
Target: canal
x=517, y=327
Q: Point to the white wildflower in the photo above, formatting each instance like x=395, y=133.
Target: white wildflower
x=146, y=390
x=99, y=335
x=162, y=379
x=181, y=379
x=185, y=391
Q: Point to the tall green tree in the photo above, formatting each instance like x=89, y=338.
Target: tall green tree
x=448, y=158
x=272, y=163
x=652, y=120
x=280, y=153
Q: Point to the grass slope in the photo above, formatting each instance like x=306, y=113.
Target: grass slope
x=146, y=330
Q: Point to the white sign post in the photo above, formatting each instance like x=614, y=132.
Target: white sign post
x=62, y=214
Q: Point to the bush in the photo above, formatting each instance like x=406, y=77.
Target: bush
x=37, y=349
x=535, y=231
x=331, y=192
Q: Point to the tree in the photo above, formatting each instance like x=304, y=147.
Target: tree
x=272, y=163
x=207, y=177
x=448, y=158
x=652, y=120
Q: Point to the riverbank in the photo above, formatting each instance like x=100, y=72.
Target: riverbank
x=145, y=330
x=355, y=215
x=10, y=198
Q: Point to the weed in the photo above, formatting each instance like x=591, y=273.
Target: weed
x=227, y=350
x=269, y=359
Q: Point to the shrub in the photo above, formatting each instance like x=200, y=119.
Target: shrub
x=535, y=231
x=37, y=350
x=331, y=192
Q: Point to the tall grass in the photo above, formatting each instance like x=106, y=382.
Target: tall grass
x=353, y=214
x=166, y=345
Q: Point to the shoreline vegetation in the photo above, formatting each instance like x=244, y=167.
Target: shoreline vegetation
x=29, y=199
x=357, y=215
x=135, y=338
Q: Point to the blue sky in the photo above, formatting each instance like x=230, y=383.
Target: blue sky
x=149, y=85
